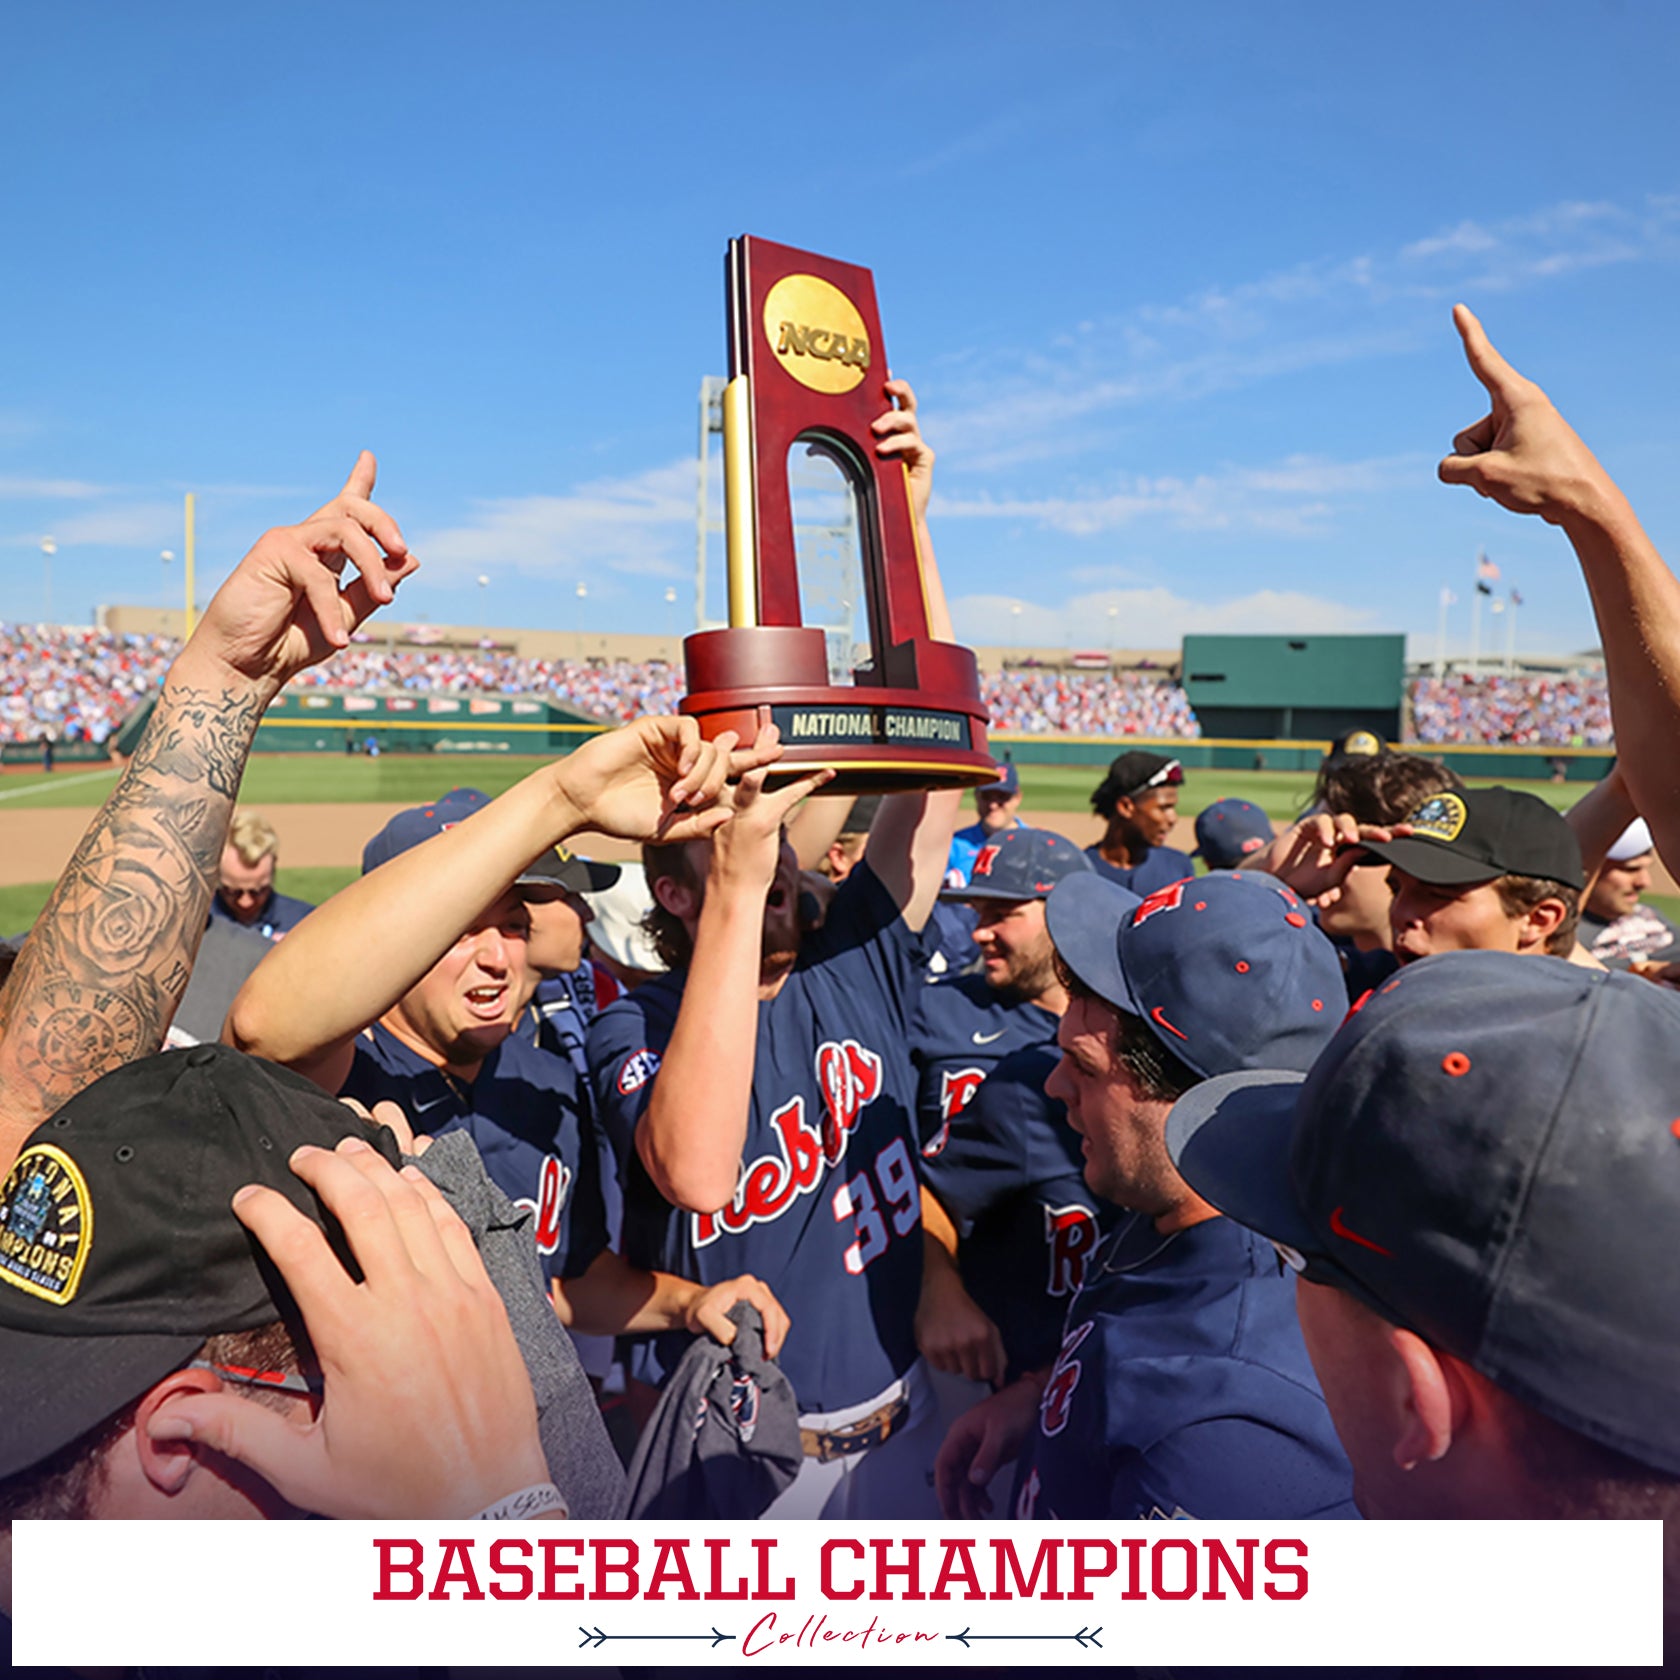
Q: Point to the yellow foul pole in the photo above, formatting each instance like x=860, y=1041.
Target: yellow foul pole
x=189, y=554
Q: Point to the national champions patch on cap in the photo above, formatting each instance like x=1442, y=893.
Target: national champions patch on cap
x=46, y=1224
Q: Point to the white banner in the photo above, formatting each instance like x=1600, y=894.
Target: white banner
x=705, y=1595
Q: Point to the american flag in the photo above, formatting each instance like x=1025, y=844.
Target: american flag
x=1486, y=571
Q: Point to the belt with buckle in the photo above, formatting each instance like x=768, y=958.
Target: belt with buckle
x=825, y=1445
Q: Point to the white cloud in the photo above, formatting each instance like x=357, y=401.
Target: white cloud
x=1045, y=400
x=1294, y=495
x=1148, y=618
x=641, y=526
x=124, y=525
x=50, y=489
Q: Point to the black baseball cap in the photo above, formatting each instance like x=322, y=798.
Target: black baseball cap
x=1487, y=1154
x=1133, y=772
x=559, y=868
x=119, y=1250
x=1464, y=838
x=1358, y=743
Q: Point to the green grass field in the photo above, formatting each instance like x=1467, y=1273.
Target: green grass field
x=305, y=779
x=285, y=780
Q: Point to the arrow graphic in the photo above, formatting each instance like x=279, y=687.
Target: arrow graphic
x=1085, y=1636
x=597, y=1638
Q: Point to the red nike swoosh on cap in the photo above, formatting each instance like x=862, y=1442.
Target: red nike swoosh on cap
x=1159, y=1019
x=1341, y=1230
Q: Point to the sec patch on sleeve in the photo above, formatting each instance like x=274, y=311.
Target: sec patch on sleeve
x=637, y=1071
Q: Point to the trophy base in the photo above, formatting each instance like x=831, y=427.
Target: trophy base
x=925, y=733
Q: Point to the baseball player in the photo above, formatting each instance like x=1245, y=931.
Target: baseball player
x=1229, y=832
x=763, y=1098
x=1181, y=1387
x=149, y=1343
x=966, y=1029
x=1475, y=1190
x=426, y=1020
x=1138, y=800
x=967, y=1024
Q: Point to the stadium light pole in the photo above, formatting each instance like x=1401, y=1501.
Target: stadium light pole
x=671, y=617
x=582, y=599
x=48, y=549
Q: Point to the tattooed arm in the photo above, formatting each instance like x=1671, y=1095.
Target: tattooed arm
x=106, y=964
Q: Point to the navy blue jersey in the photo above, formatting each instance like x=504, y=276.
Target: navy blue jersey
x=1183, y=1389
x=1159, y=867
x=1011, y=1175
x=279, y=916
x=828, y=1208
x=948, y=946
x=961, y=1030
x=525, y=1113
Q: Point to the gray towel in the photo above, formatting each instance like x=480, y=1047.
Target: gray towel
x=724, y=1440
x=580, y=1456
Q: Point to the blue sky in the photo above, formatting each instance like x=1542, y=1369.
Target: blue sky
x=1173, y=285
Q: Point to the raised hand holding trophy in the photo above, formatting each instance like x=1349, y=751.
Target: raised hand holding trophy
x=806, y=367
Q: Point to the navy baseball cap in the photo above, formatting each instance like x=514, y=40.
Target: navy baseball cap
x=1487, y=1155
x=1021, y=863
x=419, y=823
x=1008, y=782
x=1230, y=830
x=555, y=869
x=1227, y=969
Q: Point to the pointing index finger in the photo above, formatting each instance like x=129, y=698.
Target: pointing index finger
x=1496, y=374
x=360, y=482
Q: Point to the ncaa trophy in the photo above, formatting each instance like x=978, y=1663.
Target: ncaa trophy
x=806, y=367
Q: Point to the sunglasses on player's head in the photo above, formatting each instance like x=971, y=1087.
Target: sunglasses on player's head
x=1171, y=774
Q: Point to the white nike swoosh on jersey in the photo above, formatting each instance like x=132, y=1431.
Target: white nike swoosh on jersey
x=986, y=1038
x=420, y=1107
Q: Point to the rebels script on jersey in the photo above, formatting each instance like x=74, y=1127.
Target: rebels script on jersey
x=1183, y=1389
x=962, y=1030
x=1011, y=1175
x=828, y=1207
x=525, y=1113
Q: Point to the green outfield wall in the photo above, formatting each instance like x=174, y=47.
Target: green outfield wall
x=469, y=724
x=415, y=723
x=1580, y=764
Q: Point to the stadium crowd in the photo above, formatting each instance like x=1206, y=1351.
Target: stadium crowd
x=1082, y=703
x=74, y=684
x=616, y=690
x=77, y=685
x=1330, y=1182
x=1567, y=710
